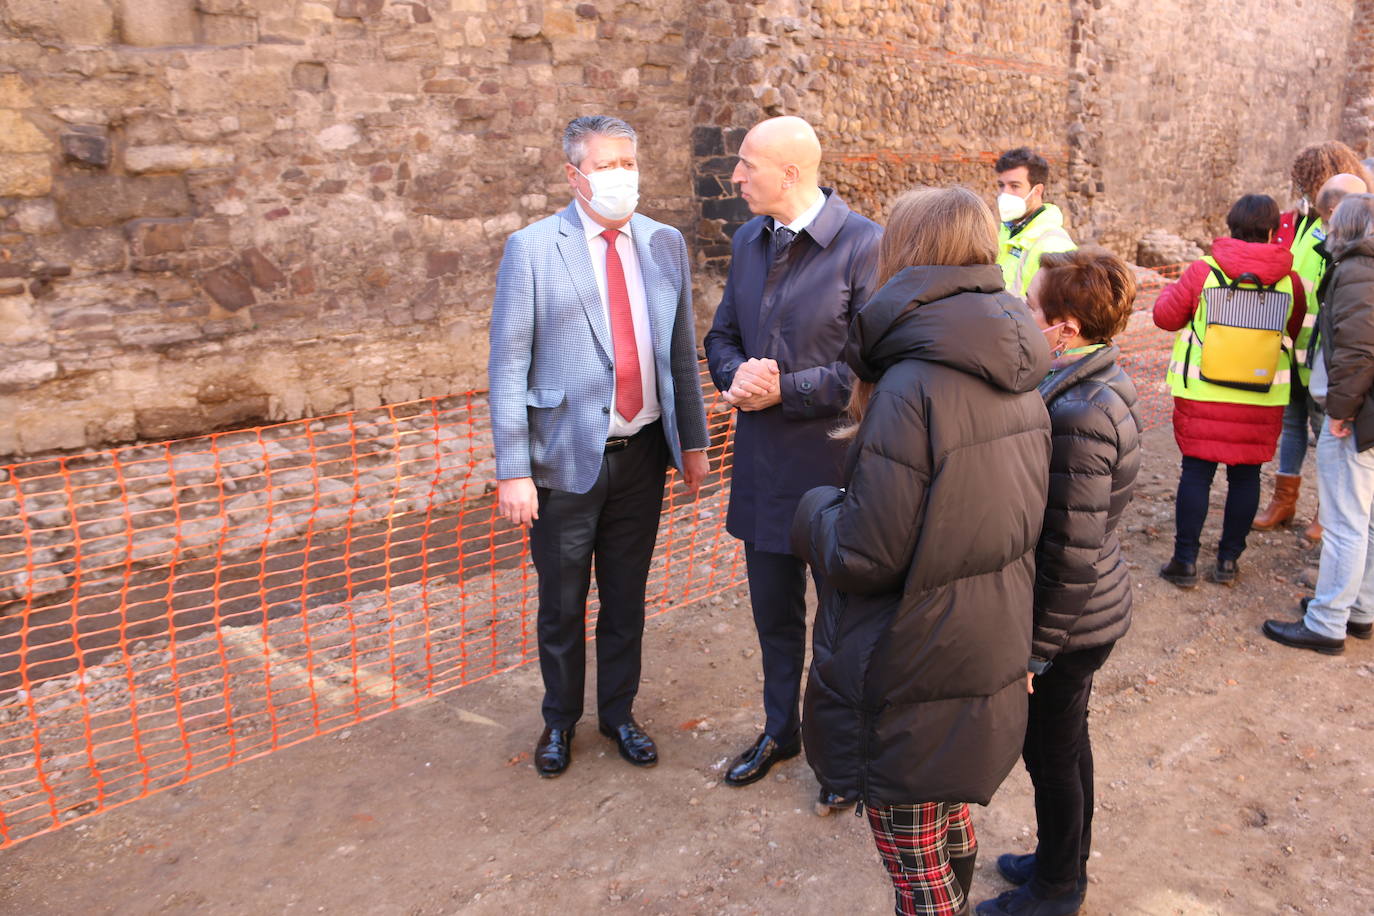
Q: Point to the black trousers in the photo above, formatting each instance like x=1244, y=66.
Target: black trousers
x=1190, y=508
x=777, y=591
x=1059, y=758
x=613, y=525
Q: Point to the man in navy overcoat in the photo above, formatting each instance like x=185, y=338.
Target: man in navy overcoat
x=801, y=269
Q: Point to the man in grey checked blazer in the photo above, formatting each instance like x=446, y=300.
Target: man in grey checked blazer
x=594, y=390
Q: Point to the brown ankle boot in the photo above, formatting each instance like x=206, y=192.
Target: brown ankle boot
x=1283, y=507
x=1314, y=530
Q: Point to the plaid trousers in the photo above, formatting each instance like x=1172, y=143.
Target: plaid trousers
x=916, y=843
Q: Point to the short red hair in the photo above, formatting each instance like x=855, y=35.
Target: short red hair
x=1090, y=285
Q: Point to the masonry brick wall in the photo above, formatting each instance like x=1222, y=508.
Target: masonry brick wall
x=1196, y=104
x=216, y=213
x=221, y=212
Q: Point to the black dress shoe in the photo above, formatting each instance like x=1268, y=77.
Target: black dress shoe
x=553, y=753
x=829, y=802
x=1295, y=633
x=1357, y=630
x=754, y=764
x=635, y=746
x=1224, y=573
x=1184, y=575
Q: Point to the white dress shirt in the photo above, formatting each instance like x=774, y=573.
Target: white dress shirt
x=639, y=313
x=808, y=215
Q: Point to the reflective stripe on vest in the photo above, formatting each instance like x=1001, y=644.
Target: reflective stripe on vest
x=1311, y=266
x=1020, y=263
x=1186, y=360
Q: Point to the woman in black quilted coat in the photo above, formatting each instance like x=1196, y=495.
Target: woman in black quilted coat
x=1081, y=299
x=916, y=699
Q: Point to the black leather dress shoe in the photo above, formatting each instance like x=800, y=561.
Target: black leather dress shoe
x=1357, y=630
x=1295, y=633
x=1224, y=573
x=635, y=746
x=553, y=753
x=754, y=764
x=1184, y=575
x=829, y=802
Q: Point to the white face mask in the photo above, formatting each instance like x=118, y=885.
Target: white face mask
x=615, y=192
x=1010, y=207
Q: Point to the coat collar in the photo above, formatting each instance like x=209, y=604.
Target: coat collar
x=1055, y=385
x=823, y=228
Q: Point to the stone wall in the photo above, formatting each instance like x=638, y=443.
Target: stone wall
x=902, y=92
x=1357, y=124
x=223, y=212
x=216, y=213
x=1196, y=104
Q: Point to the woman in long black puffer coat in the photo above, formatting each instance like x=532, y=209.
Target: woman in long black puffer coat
x=916, y=700
x=1081, y=299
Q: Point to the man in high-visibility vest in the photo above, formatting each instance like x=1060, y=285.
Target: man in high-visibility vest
x=1030, y=227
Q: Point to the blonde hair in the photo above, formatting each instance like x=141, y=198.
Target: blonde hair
x=928, y=227
x=937, y=226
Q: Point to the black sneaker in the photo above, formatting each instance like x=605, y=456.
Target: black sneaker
x=1184, y=575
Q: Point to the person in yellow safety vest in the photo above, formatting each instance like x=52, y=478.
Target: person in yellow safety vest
x=1301, y=230
x=1030, y=227
x=1230, y=372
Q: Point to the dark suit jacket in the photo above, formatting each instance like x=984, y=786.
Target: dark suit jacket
x=797, y=312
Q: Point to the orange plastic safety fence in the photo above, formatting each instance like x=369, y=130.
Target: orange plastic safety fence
x=169, y=610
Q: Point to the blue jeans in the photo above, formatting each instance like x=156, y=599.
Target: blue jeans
x=1345, y=583
x=1301, y=414
x=1190, y=508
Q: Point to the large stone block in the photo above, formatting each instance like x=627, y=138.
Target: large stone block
x=37, y=217
x=229, y=288
x=89, y=146
x=159, y=236
x=25, y=175
x=358, y=9
x=14, y=92
x=228, y=30
x=176, y=158
x=169, y=422
x=78, y=22
x=19, y=135
x=19, y=322
x=155, y=23
x=261, y=271
x=311, y=76
x=106, y=200
x=25, y=374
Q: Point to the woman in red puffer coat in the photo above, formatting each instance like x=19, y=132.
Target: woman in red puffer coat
x=1215, y=424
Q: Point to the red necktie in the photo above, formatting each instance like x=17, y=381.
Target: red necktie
x=629, y=386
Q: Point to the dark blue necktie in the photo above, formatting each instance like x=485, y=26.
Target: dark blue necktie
x=782, y=237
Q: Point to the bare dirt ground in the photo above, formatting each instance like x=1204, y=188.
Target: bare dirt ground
x=1233, y=777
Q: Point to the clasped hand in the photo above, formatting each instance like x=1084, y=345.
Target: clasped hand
x=756, y=385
